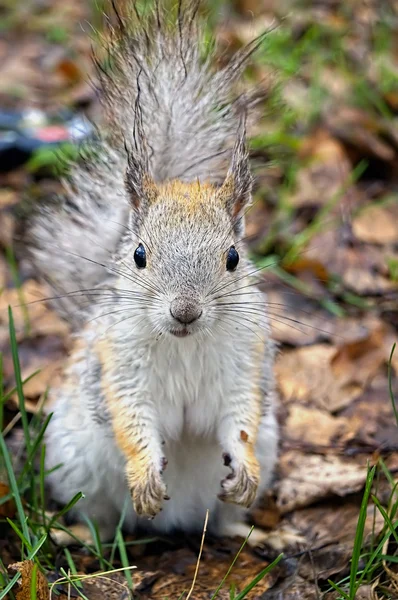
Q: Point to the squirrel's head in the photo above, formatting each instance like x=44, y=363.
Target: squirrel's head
x=187, y=258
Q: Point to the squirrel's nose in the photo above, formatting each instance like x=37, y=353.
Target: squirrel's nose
x=185, y=311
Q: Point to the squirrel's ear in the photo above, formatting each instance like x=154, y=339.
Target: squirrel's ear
x=140, y=186
x=237, y=187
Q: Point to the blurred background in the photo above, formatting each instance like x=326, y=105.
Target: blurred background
x=323, y=228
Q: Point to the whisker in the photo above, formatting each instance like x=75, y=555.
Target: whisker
x=236, y=322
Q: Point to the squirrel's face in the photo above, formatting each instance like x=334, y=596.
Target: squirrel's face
x=188, y=262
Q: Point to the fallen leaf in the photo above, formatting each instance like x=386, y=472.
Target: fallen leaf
x=331, y=377
x=8, y=198
x=313, y=426
x=306, y=479
x=29, y=303
x=294, y=588
x=44, y=354
x=377, y=225
x=330, y=532
x=362, y=268
x=7, y=509
x=359, y=360
x=360, y=130
x=328, y=170
x=22, y=588
x=305, y=375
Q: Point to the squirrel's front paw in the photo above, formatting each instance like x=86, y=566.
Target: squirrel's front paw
x=240, y=486
x=149, y=492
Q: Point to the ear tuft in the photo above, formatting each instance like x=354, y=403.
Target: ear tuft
x=140, y=186
x=237, y=187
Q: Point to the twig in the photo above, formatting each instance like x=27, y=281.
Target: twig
x=199, y=555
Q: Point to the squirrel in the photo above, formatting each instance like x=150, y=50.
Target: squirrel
x=167, y=404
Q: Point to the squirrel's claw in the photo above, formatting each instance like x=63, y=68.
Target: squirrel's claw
x=239, y=486
x=149, y=493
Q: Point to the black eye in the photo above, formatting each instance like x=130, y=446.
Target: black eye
x=232, y=259
x=140, y=257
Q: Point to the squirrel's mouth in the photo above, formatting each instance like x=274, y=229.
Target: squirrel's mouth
x=180, y=332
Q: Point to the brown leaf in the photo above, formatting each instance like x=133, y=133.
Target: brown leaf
x=313, y=426
x=309, y=478
x=8, y=198
x=22, y=589
x=42, y=320
x=327, y=172
x=7, y=509
x=330, y=530
x=362, y=269
x=357, y=361
x=359, y=129
x=294, y=588
x=305, y=375
x=377, y=225
x=178, y=569
x=331, y=377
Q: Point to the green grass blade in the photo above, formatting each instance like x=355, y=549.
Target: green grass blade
x=119, y=528
x=34, y=448
x=33, y=583
x=72, y=567
x=97, y=542
x=124, y=559
x=356, y=553
x=12, y=263
x=260, y=576
x=394, y=406
x=73, y=584
x=18, y=380
x=7, y=396
x=65, y=509
x=42, y=484
x=19, y=534
x=338, y=589
x=231, y=566
x=2, y=401
x=14, y=488
x=9, y=586
x=375, y=554
x=386, y=518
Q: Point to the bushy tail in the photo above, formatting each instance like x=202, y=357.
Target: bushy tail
x=162, y=97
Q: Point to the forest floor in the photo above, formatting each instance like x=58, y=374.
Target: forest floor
x=325, y=224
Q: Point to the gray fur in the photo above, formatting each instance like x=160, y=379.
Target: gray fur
x=167, y=115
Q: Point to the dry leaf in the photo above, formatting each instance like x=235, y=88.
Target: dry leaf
x=377, y=225
x=42, y=320
x=357, y=361
x=8, y=198
x=309, y=478
x=7, y=509
x=362, y=269
x=313, y=426
x=330, y=532
x=327, y=172
x=360, y=130
x=331, y=377
x=22, y=588
x=305, y=375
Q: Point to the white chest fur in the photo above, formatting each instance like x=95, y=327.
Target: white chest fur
x=189, y=384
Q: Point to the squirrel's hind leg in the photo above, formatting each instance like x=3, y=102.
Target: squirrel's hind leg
x=79, y=533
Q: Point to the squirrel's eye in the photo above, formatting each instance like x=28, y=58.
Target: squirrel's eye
x=232, y=259
x=140, y=257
